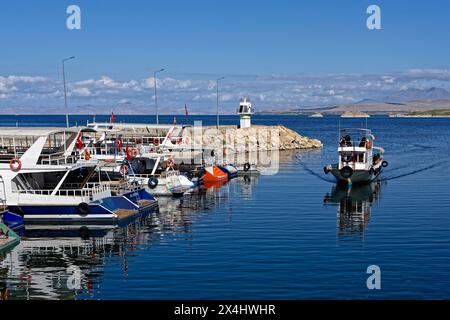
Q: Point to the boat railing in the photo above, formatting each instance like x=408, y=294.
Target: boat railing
x=58, y=159
x=87, y=191
x=116, y=186
x=103, y=151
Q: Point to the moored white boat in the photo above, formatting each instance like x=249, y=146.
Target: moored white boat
x=46, y=181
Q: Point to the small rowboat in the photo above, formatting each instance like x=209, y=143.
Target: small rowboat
x=8, y=238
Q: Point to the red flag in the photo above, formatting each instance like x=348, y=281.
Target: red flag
x=186, y=110
x=113, y=117
x=79, y=141
x=127, y=151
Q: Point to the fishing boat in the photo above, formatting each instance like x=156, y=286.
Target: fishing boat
x=230, y=170
x=168, y=183
x=357, y=161
x=125, y=157
x=316, y=115
x=214, y=174
x=42, y=179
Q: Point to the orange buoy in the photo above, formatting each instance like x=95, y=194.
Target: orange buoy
x=15, y=164
x=87, y=155
x=134, y=153
x=124, y=169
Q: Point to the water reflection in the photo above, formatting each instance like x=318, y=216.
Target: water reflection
x=354, y=206
x=68, y=262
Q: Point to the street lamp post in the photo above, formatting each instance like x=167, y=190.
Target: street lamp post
x=65, y=90
x=217, y=102
x=156, y=97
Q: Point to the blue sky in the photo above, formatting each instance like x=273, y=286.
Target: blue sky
x=196, y=41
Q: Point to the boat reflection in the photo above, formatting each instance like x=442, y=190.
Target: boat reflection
x=68, y=261
x=354, y=206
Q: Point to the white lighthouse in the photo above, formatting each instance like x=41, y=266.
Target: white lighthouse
x=245, y=112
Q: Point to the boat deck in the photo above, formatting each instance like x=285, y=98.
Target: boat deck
x=124, y=213
x=146, y=203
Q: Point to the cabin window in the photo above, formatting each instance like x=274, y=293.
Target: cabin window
x=350, y=157
x=361, y=157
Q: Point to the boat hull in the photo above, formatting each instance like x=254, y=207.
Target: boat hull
x=358, y=176
x=108, y=209
x=214, y=174
x=230, y=170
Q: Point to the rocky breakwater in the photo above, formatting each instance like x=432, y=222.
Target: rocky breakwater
x=256, y=138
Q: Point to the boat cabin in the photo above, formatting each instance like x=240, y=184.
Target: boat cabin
x=42, y=145
x=356, y=148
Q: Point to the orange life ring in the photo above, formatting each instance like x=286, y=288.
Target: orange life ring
x=134, y=153
x=170, y=162
x=124, y=169
x=15, y=164
x=180, y=140
x=156, y=141
x=87, y=156
x=369, y=144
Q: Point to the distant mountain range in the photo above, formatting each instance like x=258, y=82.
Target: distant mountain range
x=413, y=94
x=402, y=101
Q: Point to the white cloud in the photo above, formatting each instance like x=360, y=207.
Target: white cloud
x=272, y=91
x=82, y=92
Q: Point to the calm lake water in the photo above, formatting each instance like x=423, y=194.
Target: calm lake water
x=292, y=235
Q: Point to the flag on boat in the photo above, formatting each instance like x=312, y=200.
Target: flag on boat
x=79, y=141
x=119, y=143
x=127, y=152
x=186, y=110
x=113, y=117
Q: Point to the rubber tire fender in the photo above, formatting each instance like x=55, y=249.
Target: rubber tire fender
x=83, y=209
x=152, y=182
x=346, y=172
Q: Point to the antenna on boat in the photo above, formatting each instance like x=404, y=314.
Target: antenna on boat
x=339, y=132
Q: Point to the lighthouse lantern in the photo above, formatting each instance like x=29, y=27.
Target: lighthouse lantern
x=245, y=112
